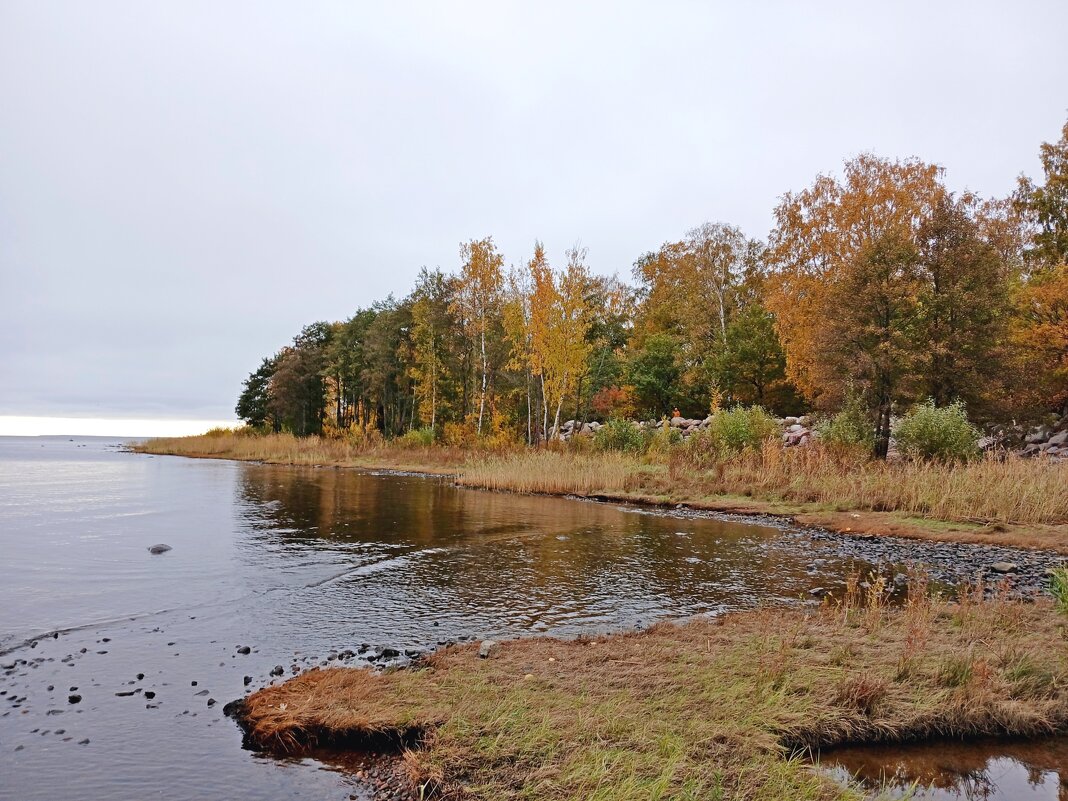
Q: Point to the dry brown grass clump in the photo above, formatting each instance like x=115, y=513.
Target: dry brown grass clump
x=707, y=709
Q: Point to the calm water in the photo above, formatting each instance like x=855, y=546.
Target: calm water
x=985, y=770
x=298, y=563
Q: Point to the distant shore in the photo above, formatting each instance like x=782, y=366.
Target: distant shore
x=1016, y=503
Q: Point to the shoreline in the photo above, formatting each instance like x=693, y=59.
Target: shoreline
x=854, y=522
x=690, y=708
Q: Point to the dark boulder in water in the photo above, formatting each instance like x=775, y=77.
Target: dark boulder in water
x=160, y=548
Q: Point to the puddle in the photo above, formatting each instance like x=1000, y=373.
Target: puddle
x=951, y=770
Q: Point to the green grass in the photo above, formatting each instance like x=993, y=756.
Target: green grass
x=709, y=709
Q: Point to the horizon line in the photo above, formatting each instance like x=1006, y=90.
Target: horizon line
x=65, y=425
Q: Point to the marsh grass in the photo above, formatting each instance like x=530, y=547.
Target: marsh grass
x=1013, y=490
x=712, y=708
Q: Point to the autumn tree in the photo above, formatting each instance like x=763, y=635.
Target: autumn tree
x=962, y=309
x=346, y=358
x=433, y=330
x=1045, y=206
x=1042, y=335
x=567, y=352
x=543, y=299
x=477, y=304
x=827, y=235
x=870, y=340
x=1042, y=302
x=691, y=292
x=387, y=350
x=611, y=305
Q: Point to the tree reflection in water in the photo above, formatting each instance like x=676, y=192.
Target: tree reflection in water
x=983, y=770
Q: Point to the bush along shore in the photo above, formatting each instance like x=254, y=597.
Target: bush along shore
x=724, y=707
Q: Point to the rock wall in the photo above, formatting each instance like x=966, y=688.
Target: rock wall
x=1047, y=440
x=796, y=430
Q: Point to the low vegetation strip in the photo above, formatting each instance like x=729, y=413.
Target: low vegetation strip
x=713, y=708
x=1018, y=502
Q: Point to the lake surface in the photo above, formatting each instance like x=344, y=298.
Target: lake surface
x=300, y=563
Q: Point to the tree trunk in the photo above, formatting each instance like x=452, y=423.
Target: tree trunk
x=434, y=402
x=882, y=427
x=544, y=410
x=578, y=401
x=722, y=315
x=337, y=390
x=529, y=421
x=556, y=421
x=482, y=395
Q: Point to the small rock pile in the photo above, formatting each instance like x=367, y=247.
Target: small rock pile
x=685, y=426
x=798, y=431
x=1049, y=440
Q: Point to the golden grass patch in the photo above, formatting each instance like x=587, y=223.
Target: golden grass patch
x=712, y=708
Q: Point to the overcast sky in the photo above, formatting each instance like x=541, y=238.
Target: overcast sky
x=184, y=185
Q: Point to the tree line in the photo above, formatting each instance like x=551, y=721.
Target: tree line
x=879, y=286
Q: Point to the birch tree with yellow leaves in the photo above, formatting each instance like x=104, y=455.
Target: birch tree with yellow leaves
x=478, y=304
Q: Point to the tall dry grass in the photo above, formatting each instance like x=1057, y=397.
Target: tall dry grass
x=1014, y=491
x=280, y=448
x=1010, y=491
x=350, y=451
x=554, y=472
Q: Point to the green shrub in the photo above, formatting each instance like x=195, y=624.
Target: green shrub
x=417, y=438
x=851, y=428
x=739, y=428
x=663, y=440
x=619, y=435
x=938, y=433
x=732, y=431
